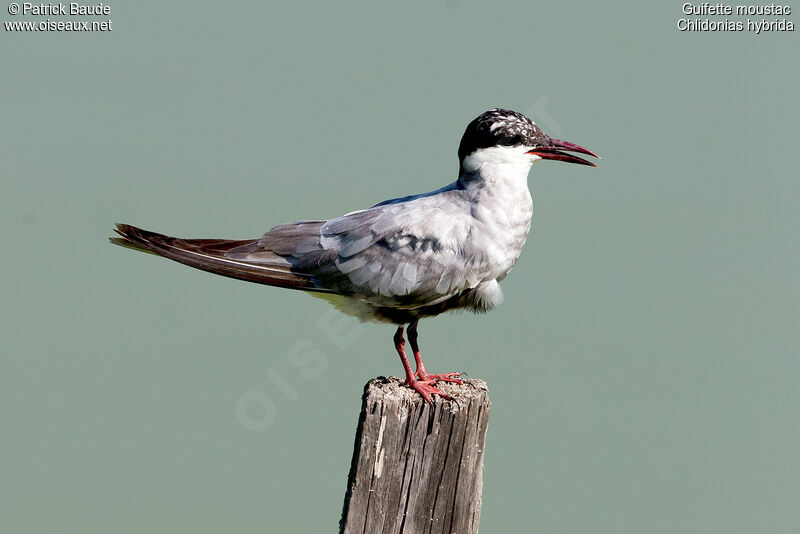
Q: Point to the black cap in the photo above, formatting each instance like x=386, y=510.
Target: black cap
x=500, y=127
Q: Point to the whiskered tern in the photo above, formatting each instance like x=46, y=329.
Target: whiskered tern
x=402, y=259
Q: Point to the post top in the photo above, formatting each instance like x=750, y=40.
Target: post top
x=391, y=389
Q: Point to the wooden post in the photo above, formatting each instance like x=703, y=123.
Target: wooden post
x=417, y=468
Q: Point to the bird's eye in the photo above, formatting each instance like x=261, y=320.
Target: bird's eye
x=511, y=140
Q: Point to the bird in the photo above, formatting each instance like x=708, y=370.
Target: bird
x=403, y=259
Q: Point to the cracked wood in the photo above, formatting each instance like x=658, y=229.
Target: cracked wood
x=417, y=468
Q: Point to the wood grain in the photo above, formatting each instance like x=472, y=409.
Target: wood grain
x=417, y=468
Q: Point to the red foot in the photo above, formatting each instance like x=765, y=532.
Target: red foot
x=426, y=389
x=443, y=377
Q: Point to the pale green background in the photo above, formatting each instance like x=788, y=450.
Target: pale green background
x=644, y=367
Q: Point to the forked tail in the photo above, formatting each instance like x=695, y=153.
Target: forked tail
x=226, y=257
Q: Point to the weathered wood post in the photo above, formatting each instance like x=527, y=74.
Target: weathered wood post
x=417, y=468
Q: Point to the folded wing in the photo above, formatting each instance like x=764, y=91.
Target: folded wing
x=408, y=254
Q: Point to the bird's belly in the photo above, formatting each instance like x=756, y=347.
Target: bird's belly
x=357, y=308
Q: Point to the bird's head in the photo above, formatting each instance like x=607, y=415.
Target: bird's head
x=505, y=137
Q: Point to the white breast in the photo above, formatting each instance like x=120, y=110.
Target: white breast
x=502, y=206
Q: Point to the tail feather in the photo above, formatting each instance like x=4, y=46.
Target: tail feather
x=210, y=255
x=129, y=244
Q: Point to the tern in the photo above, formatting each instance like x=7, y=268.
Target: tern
x=403, y=259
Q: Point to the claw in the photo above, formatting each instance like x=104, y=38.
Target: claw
x=443, y=377
x=426, y=389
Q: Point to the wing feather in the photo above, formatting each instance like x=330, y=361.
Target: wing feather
x=404, y=253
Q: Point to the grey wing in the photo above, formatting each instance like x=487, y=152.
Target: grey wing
x=294, y=247
x=406, y=254
x=409, y=253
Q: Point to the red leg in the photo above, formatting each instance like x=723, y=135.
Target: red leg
x=421, y=373
x=421, y=386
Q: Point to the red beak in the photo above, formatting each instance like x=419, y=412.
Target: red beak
x=556, y=151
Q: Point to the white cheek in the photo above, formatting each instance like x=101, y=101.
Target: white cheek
x=496, y=157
